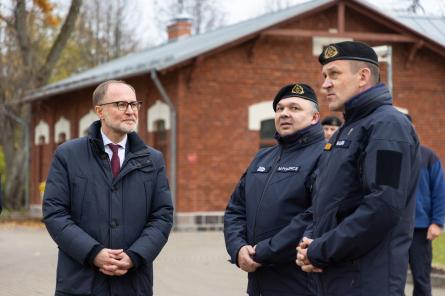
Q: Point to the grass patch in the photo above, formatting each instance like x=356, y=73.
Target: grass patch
x=439, y=251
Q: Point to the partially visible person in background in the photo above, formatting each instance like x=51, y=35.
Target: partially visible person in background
x=430, y=212
x=330, y=125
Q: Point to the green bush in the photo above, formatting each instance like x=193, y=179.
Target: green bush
x=439, y=251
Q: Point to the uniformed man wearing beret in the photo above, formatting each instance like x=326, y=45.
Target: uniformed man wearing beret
x=265, y=218
x=330, y=125
x=364, y=193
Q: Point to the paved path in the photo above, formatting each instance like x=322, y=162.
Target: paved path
x=192, y=264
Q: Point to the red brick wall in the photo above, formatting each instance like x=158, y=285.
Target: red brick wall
x=212, y=99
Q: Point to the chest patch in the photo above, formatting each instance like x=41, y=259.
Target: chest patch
x=343, y=143
x=287, y=169
x=262, y=169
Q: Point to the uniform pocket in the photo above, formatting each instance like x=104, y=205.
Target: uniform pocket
x=342, y=280
x=79, y=186
x=72, y=277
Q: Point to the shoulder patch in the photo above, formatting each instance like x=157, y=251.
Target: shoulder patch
x=388, y=168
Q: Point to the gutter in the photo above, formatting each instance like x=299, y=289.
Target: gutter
x=173, y=145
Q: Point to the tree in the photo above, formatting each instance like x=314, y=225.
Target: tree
x=32, y=39
x=105, y=31
x=277, y=5
x=415, y=6
x=206, y=14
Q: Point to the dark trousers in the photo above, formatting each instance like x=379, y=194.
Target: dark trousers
x=420, y=256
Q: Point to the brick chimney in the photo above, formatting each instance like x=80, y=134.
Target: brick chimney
x=180, y=27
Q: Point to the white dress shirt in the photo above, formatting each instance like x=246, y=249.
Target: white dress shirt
x=121, y=144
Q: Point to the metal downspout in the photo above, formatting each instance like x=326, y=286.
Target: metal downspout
x=173, y=145
x=389, y=62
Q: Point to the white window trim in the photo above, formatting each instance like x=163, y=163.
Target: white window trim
x=41, y=129
x=259, y=112
x=62, y=126
x=158, y=111
x=85, y=121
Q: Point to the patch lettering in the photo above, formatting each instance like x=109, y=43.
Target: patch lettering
x=284, y=169
x=343, y=143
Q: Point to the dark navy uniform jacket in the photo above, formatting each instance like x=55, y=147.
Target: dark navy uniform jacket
x=84, y=207
x=364, y=199
x=267, y=209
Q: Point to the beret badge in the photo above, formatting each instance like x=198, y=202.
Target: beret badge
x=330, y=52
x=298, y=89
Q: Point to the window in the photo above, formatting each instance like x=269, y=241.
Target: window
x=160, y=136
x=267, y=133
x=61, y=138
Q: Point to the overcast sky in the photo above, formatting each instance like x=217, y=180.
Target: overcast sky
x=239, y=10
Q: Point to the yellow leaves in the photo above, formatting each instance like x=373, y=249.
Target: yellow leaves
x=48, y=8
x=52, y=20
x=44, y=6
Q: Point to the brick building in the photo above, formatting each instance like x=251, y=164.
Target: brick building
x=208, y=98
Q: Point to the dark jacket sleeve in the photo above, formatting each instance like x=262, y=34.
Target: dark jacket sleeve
x=437, y=186
x=57, y=217
x=310, y=227
x=281, y=248
x=160, y=221
x=235, y=229
x=389, y=162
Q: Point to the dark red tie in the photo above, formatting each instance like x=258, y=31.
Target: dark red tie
x=115, y=162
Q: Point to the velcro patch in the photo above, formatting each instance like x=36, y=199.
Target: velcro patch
x=388, y=169
x=287, y=169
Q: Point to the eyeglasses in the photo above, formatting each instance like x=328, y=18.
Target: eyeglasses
x=123, y=105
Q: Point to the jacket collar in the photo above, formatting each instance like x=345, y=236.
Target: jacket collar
x=134, y=143
x=366, y=102
x=301, y=138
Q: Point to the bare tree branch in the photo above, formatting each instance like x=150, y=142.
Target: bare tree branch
x=22, y=33
x=7, y=21
x=61, y=40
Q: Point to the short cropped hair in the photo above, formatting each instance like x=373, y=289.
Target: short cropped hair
x=375, y=71
x=315, y=107
x=101, y=90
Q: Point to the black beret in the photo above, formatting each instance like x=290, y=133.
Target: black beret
x=299, y=90
x=348, y=50
x=331, y=120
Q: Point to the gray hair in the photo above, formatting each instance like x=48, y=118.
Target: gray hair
x=101, y=90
